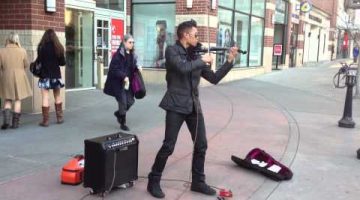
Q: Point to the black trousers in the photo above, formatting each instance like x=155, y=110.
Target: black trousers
x=125, y=101
x=196, y=126
x=122, y=108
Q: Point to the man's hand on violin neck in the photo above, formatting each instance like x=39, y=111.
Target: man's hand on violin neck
x=233, y=52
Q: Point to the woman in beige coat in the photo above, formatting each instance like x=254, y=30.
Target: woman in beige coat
x=14, y=84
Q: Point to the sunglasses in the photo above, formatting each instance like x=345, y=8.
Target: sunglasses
x=131, y=42
x=194, y=35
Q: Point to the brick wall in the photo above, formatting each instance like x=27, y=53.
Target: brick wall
x=300, y=44
x=268, y=18
x=330, y=7
x=268, y=41
x=128, y=7
x=128, y=15
x=324, y=5
x=30, y=14
x=203, y=34
x=301, y=32
x=15, y=15
x=269, y=13
x=198, y=7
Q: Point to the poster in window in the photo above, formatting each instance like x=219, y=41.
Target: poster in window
x=163, y=39
x=224, y=39
x=117, y=34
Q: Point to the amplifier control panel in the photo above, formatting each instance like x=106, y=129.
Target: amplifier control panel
x=119, y=143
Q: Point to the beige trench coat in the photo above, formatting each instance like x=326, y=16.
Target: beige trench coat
x=14, y=84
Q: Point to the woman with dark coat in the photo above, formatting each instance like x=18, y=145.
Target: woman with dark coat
x=51, y=56
x=122, y=68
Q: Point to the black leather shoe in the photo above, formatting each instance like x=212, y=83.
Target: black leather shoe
x=202, y=188
x=154, y=189
x=5, y=126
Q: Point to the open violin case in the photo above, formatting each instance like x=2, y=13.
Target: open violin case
x=260, y=161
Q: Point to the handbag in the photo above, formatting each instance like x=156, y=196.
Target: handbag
x=35, y=68
x=138, y=85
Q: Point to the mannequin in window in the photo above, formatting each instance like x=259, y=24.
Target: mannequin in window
x=161, y=43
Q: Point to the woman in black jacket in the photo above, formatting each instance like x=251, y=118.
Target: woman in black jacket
x=121, y=69
x=51, y=56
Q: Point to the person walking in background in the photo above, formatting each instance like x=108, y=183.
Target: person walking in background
x=355, y=53
x=332, y=51
x=121, y=69
x=51, y=56
x=14, y=84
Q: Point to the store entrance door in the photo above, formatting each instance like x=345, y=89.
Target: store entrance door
x=109, y=32
x=79, y=48
x=102, y=43
x=293, y=44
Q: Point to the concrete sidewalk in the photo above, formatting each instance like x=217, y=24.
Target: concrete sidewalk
x=292, y=114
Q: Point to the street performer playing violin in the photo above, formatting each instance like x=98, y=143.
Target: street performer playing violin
x=181, y=103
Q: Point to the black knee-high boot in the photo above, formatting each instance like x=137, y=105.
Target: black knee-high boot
x=15, y=120
x=6, y=121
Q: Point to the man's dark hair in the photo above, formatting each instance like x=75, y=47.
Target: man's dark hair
x=184, y=27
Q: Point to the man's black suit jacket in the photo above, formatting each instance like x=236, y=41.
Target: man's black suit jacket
x=183, y=73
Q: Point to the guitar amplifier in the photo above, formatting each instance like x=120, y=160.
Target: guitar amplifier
x=110, y=161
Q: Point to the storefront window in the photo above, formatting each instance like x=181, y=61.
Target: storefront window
x=243, y=5
x=153, y=32
x=111, y=4
x=241, y=32
x=224, y=37
x=237, y=26
x=79, y=45
x=280, y=12
x=280, y=29
x=226, y=3
x=256, y=41
x=258, y=7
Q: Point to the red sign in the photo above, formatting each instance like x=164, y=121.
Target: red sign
x=346, y=40
x=117, y=34
x=277, y=49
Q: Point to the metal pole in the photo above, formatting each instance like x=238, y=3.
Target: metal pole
x=208, y=26
x=100, y=73
x=357, y=93
x=347, y=121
